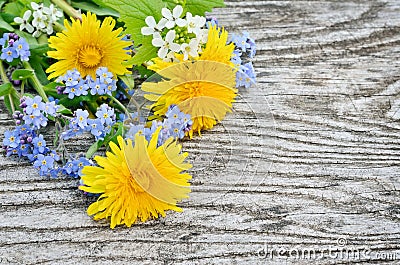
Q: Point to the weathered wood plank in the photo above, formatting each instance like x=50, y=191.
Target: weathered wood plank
x=309, y=156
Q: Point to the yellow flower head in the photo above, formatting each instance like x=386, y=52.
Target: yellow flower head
x=216, y=48
x=87, y=45
x=137, y=181
x=203, y=88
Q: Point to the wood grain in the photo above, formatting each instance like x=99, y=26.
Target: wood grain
x=309, y=158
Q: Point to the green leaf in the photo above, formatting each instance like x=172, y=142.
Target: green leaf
x=143, y=71
x=28, y=37
x=51, y=86
x=7, y=18
x=21, y=74
x=5, y=89
x=128, y=80
x=144, y=53
x=45, y=2
x=36, y=61
x=196, y=7
x=134, y=13
x=28, y=2
x=5, y=25
x=54, y=94
x=15, y=101
x=171, y=4
x=119, y=132
x=28, y=95
x=51, y=90
x=93, y=149
x=14, y=8
x=38, y=48
x=63, y=110
x=75, y=101
x=200, y=7
x=101, y=11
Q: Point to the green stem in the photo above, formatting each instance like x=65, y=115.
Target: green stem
x=122, y=107
x=119, y=105
x=23, y=87
x=36, y=83
x=91, y=106
x=69, y=10
x=58, y=27
x=6, y=80
x=11, y=103
x=3, y=74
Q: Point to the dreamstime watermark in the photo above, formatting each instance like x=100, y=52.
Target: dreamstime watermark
x=340, y=251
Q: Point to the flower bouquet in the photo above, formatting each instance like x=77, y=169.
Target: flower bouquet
x=135, y=78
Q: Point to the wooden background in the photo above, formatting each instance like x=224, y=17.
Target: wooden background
x=308, y=160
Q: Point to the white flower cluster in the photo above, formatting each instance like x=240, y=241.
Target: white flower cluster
x=43, y=19
x=174, y=34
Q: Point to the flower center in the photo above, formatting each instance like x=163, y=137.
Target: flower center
x=194, y=89
x=90, y=56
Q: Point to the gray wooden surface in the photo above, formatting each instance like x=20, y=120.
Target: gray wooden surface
x=309, y=160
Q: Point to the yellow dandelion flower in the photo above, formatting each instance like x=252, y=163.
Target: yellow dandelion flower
x=216, y=48
x=87, y=45
x=203, y=88
x=137, y=181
